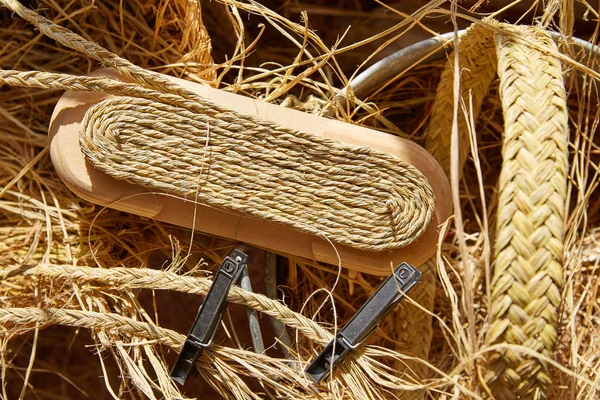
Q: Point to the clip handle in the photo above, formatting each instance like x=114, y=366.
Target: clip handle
x=380, y=303
x=209, y=315
x=366, y=319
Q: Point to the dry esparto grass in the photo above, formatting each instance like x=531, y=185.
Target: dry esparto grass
x=113, y=331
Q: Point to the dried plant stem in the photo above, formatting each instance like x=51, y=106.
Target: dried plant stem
x=413, y=324
x=271, y=288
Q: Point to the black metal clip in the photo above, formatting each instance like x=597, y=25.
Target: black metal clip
x=365, y=320
x=209, y=315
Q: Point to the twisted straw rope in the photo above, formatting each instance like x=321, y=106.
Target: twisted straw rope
x=13, y=319
x=528, y=275
x=532, y=194
x=355, y=196
x=71, y=40
x=145, y=278
x=88, y=319
x=30, y=317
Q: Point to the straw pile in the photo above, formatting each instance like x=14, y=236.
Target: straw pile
x=95, y=302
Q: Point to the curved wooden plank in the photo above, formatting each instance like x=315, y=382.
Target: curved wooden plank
x=96, y=187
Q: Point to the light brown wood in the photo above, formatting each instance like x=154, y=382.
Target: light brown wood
x=93, y=185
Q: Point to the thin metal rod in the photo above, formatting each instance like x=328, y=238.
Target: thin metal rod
x=393, y=65
x=253, y=323
x=271, y=288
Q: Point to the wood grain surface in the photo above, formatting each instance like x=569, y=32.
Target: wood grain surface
x=93, y=185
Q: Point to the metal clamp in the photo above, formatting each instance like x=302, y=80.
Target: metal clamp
x=209, y=315
x=365, y=320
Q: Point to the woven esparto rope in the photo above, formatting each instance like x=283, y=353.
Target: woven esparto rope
x=528, y=275
x=353, y=195
x=146, y=278
x=25, y=319
x=478, y=67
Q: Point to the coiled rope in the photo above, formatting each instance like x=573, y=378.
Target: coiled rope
x=352, y=195
x=528, y=276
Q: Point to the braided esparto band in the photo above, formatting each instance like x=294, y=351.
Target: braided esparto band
x=477, y=63
x=352, y=195
x=528, y=275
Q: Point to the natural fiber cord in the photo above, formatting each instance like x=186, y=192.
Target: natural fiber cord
x=146, y=278
x=528, y=274
x=352, y=195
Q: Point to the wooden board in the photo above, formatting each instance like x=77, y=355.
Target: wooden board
x=93, y=185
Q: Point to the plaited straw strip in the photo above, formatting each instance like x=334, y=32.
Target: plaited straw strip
x=478, y=67
x=477, y=61
x=528, y=274
x=354, y=196
x=532, y=194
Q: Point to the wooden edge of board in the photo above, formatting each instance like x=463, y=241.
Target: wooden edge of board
x=95, y=186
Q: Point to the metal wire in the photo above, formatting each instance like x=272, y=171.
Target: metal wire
x=253, y=323
x=425, y=51
x=271, y=288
